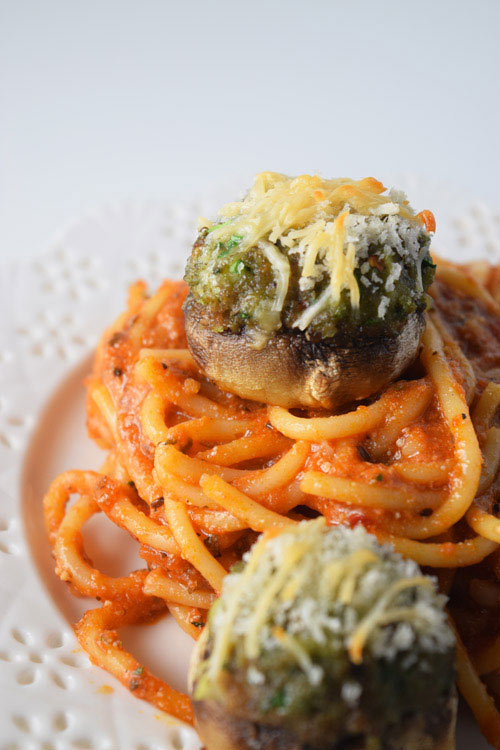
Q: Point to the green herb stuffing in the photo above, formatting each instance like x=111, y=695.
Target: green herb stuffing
x=324, y=693
x=225, y=284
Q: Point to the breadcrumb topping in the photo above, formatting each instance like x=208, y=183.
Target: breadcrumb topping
x=330, y=226
x=332, y=586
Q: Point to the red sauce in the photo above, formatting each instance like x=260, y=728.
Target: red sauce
x=475, y=326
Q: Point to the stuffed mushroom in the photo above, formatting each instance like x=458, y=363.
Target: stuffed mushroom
x=325, y=640
x=309, y=292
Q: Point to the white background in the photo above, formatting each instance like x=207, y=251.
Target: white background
x=108, y=99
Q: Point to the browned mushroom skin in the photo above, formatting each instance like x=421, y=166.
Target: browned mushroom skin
x=220, y=730
x=293, y=371
x=227, y=727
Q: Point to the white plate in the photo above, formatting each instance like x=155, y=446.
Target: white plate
x=55, y=309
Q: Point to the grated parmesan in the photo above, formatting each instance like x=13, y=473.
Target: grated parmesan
x=332, y=585
x=329, y=225
x=382, y=308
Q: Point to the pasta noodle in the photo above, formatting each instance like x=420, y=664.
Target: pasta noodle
x=194, y=474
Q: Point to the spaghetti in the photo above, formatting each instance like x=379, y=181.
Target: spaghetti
x=194, y=474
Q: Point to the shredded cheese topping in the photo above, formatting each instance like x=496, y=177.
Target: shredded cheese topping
x=378, y=615
x=318, y=219
x=291, y=559
x=325, y=584
x=223, y=643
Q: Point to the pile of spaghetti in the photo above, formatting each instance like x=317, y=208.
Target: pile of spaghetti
x=194, y=474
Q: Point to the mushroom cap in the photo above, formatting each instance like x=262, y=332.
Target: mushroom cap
x=234, y=688
x=220, y=730
x=293, y=371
